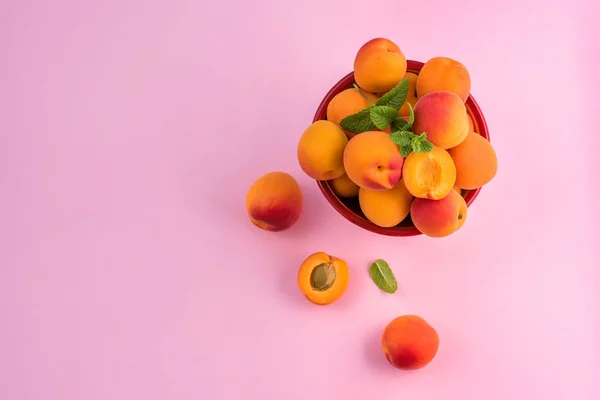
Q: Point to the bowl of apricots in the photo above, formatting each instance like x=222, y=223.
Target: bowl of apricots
x=400, y=147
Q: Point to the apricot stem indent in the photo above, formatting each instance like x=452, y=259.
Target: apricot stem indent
x=322, y=277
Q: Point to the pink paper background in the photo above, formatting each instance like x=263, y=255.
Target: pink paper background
x=131, y=130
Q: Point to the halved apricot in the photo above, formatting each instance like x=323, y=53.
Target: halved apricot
x=323, y=278
x=429, y=175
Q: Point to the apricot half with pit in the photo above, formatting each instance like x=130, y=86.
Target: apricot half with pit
x=323, y=278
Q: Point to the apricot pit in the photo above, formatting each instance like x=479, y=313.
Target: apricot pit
x=322, y=277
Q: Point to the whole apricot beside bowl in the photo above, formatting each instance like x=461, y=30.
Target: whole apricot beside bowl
x=274, y=201
x=349, y=207
x=409, y=342
x=323, y=278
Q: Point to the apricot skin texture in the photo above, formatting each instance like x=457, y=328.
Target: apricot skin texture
x=274, y=202
x=409, y=342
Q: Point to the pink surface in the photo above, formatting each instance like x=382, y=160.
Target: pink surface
x=131, y=130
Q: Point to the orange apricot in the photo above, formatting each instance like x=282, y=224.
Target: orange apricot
x=444, y=73
x=439, y=218
x=476, y=162
x=429, y=175
x=411, y=97
x=443, y=117
x=323, y=278
x=373, y=161
x=409, y=342
x=379, y=65
x=348, y=102
x=274, y=201
x=344, y=186
x=471, y=123
x=321, y=150
x=385, y=208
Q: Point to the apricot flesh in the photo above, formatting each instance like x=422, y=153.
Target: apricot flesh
x=444, y=73
x=321, y=150
x=429, y=175
x=373, y=161
x=439, y=218
x=379, y=65
x=274, y=202
x=409, y=342
x=344, y=186
x=443, y=117
x=476, y=162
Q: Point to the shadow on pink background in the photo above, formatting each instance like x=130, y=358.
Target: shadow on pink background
x=130, y=132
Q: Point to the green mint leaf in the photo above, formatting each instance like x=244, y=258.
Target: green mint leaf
x=395, y=97
x=382, y=116
x=426, y=146
x=411, y=118
x=420, y=144
x=399, y=124
x=359, y=122
x=405, y=150
x=383, y=276
x=402, y=138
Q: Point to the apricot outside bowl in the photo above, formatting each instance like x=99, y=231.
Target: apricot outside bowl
x=349, y=207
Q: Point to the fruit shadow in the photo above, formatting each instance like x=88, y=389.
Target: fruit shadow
x=373, y=352
x=288, y=289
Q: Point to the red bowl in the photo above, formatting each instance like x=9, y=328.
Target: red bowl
x=349, y=207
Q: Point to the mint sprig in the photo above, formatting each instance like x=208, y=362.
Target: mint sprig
x=383, y=116
x=358, y=122
x=399, y=125
x=395, y=97
x=409, y=142
x=379, y=115
x=420, y=144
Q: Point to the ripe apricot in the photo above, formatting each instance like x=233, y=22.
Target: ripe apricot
x=379, y=65
x=344, y=186
x=429, y=175
x=443, y=117
x=475, y=160
x=411, y=97
x=373, y=161
x=274, y=201
x=471, y=123
x=385, y=208
x=409, y=342
x=444, y=73
x=321, y=150
x=439, y=218
x=348, y=102
x=323, y=278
